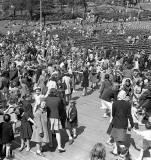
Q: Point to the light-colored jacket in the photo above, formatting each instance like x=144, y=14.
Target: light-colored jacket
x=40, y=118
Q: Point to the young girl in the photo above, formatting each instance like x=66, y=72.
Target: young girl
x=6, y=135
x=26, y=127
x=11, y=111
x=72, y=121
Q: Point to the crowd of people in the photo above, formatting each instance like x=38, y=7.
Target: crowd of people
x=39, y=73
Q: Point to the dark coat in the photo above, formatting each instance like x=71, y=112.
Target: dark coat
x=6, y=133
x=109, y=94
x=26, y=105
x=85, y=79
x=53, y=106
x=145, y=101
x=121, y=112
x=72, y=117
x=105, y=85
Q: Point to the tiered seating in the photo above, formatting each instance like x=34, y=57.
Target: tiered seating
x=118, y=41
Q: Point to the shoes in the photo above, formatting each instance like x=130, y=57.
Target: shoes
x=21, y=149
x=74, y=136
x=103, y=107
x=105, y=116
x=61, y=150
x=71, y=141
x=141, y=124
x=40, y=154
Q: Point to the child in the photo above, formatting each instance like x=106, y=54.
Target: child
x=6, y=135
x=146, y=134
x=11, y=111
x=25, y=128
x=72, y=121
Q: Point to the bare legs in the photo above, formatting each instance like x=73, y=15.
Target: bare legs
x=84, y=91
x=58, y=138
x=23, y=145
x=8, y=150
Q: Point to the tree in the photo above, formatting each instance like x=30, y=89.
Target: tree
x=29, y=7
x=71, y=4
x=85, y=6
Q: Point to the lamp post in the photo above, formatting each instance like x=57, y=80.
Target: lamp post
x=40, y=14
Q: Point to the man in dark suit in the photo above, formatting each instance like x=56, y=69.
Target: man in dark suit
x=121, y=113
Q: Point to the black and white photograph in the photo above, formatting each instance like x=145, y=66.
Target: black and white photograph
x=75, y=79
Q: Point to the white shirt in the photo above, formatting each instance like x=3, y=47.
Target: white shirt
x=37, y=101
x=51, y=84
x=38, y=98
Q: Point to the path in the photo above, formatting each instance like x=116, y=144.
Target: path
x=92, y=129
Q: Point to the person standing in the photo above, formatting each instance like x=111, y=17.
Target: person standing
x=26, y=116
x=51, y=83
x=67, y=81
x=53, y=104
x=85, y=81
x=145, y=101
x=6, y=135
x=105, y=84
x=109, y=94
x=41, y=81
x=121, y=113
x=72, y=121
x=40, y=132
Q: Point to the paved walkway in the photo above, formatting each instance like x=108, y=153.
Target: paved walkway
x=92, y=129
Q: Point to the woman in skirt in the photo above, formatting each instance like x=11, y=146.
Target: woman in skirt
x=25, y=128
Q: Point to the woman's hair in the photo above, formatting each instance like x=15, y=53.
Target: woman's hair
x=98, y=152
x=6, y=118
x=53, y=92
